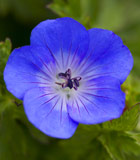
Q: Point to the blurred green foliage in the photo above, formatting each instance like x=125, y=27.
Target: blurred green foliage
x=118, y=139
x=24, y=10
x=18, y=17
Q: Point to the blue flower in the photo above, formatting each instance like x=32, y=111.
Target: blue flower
x=69, y=75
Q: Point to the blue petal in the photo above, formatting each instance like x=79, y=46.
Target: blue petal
x=48, y=113
x=107, y=55
x=64, y=37
x=27, y=68
x=100, y=100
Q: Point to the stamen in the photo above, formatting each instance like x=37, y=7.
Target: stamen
x=62, y=75
x=69, y=82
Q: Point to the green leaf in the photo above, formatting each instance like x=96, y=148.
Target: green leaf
x=84, y=143
x=126, y=122
x=64, y=8
x=120, y=145
x=81, y=140
x=131, y=87
x=5, y=49
x=16, y=141
x=85, y=11
x=136, y=136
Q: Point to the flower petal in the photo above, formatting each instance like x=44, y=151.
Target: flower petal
x=66, y=39
x=27, y=68
x=100, y=100
x=49, y=113
x=107, y=55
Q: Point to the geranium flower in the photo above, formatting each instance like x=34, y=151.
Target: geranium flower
x=69, y=75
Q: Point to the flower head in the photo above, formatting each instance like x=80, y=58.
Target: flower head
x=69, y=75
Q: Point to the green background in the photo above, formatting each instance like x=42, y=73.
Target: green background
x=114, y=140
